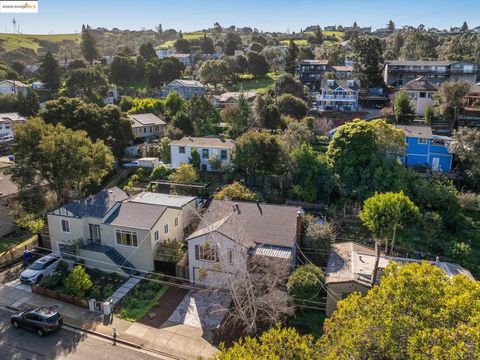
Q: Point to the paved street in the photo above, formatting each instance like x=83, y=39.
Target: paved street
x=22, y=344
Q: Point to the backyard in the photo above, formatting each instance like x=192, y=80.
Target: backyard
x=249, y=83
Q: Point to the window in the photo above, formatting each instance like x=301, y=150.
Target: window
x=181, y=150
x=205, y=153
x=422, y=141
x=176, y=221
x=144, y=129
x=165, y=228
x=230, y=257
x=126, y=238
x=206, y=252
x=223, y=155
x=65, y=226
x=157, y=237
x=423, y=95
x=204, y=167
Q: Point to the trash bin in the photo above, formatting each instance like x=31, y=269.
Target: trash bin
x=107, y=308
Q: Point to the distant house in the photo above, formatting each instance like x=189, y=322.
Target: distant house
x=350, y=269
x=472, y=100
x=113, y=95
x=8, y=190
x=116, y=232
x=476, y=30
x=231, y=98
x=207, y=147
x=343, y=72
x=232, y=232
x=312, y=73
x=330, y=28
x=163, y=53
x=7, y=120
x=186, y=88
x=13, y=87
x=186, y=59
x=425, y=149
x=341, y=95
x=400, y=72
x=146, y=126
x=421, y=91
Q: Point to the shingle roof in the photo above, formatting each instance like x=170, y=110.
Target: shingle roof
x=416, y=131
x=168, y=200
x=12, y=117
x=188, y=83
x=14, y=83
x=420, y=62
x=212, y=142
x=251, y=224
x=314, y=62
x=420, y=84
x=346, y=84
x=228, y=96
x=145, y=119
x=97, y=205
x=135, y=215
x=343, y=68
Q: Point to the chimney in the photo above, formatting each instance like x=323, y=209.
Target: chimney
x=111, y=195
x=299, y=227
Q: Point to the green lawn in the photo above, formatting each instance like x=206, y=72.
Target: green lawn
x=188, y=36
x=249, y=83
x=298, y=42
x=16, y=41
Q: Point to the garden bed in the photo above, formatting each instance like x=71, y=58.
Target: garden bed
x=75, y=300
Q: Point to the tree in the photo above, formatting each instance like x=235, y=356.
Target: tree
x=305, y=53
x=291, y=58
x=182, y=46
x=296, y=134
x=88, y=84
x=203, y=115
x=147, y=51
x=237, y=116
x=206, y=45
x=122, y=70
x=236, y=191
x=368, y=60
x=164, y=149
x=185, y=174
x=18, y=66
x=319, y=237
x=89, y=46
x=170, y=69
x=464, y=27
x=61, y=158
x=292, y=106
x=257, y=64
x=230, y=48
x=286, y=84
x=265, y=111
x=49, y=71
x=305, y=283
x=28, y=105
x=275, y=343
x=391, y=26
x=258, y=152
x=429, y=115
x=450, y=100
x=403, y=107
x=214, y=72
x=334, y=53
x=431, y=327
x=78, y=282
x=466, y=145
x=174, y=102
x=194, y=159
x=419, y=45
x=152, y=75
x=385, y=214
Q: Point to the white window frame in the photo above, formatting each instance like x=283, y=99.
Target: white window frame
x=69, y=227
x=176, y=221
x=422, y=141
x=156, y=235
x=202, y=255
x=165, y=229
x=125, y=232
x=230, y=256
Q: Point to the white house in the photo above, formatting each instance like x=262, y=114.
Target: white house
x=421, y=91
x=7, y=120
x=116, y=232
x=146, y=125
x=207, y=147
x=163, y=53
x=232, y=232
x=13, y=87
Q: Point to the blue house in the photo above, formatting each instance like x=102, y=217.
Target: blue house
x=425, y=149
x=186, y=88
x=338, y=95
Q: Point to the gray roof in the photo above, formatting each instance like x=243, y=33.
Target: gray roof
x=420, y=62
x=12, y=117
x=334, y=84
x=97, y=205
x=7, y=186
x=145, y=119
x=135, y=215
x=420, y=84
x=416, y=131
x=176, y=201
x=14, y=83
x=211, y=142
x=251, y=223
x=188, y=83
x=314, y=62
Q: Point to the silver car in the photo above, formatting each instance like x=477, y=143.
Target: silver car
x=40, y=268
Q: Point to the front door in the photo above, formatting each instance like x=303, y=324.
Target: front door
x=435, y=164
x=95, y=233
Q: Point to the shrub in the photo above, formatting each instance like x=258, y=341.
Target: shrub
x=319, y=237
x=306, y=283
x=78, y=282
x=236, y=191
x=468, y=200
x=460, y=252
x=95, y=293
x=62, y=268
x=108, y=291
x=159, y=172
x=52, y=281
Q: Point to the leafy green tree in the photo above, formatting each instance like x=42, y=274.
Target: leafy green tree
x=403, y=107
x=207, y=45
x=31, y=223
x=265, y=111
x=368, y=64
x=256, y=47
x=49, y=71
x=152, y=75
x=78, y=282
x=139, y=68
x=7, y=73
x=450, y=100
x=305, y=283
x=214, y=72
x=183, y=121
x=230, y=48
x=428, y=324
x=195, y=159
x=237, y=118
x=61, y=158
x=258, y=152
x=174, y=102
x=464, y=27
x=28, y=105
x=286, y=84
x=89, y=46
x=147, y=51
x=87, y=84
x=182, y=46
x=257, y=64
x=292, y=106
x=385, y=214
x=122, y=70
x=146, y=105
x=164, y=149
x=236, y=191
x=185, y=174
x=296, y=134
x=170, y=69
x=419, y=45
x=429, y=114
x=334, y=53
x=319, y=236
x=203, y=115
x=466, y=146
x=8, y=103
x=291, y=58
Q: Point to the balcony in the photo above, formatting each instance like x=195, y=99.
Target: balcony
x=321, y=97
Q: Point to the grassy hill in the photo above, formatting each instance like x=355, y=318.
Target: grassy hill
x=11, y=42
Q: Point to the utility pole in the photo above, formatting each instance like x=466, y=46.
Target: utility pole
x=375, y=268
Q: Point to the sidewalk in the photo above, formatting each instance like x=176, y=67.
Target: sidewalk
x=177, y=341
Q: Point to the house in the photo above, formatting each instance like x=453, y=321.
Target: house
x=113, y=96
x=207, y=147
x=476, y=30
x=312, y=73
x=330, y=28
x=146, y=126
x=343, y=72
x=350, y=269
x=7, y=121
x=400, y=72
x=338, y=95
x=164, y=53
x=116, y=232
x=8, y=190
x=232, y=232
x=186, y=88
x=186, y=59
x=421, y=91
x=425, y=149
x=472, y=100
x=13, y=87
x=231, y=98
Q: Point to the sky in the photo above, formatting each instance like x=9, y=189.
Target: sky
x=67, y=16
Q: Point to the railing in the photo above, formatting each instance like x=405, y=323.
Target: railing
x=337, y=97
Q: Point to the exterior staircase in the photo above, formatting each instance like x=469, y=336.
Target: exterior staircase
x=117, y=258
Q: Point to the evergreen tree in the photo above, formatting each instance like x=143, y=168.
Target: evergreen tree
x=391, y=26
x=291, y=58
x=464, y=27
x=49, y=71
x=89, y=46
x=147, y=51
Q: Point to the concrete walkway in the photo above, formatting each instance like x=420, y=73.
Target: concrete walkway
x=124, y=289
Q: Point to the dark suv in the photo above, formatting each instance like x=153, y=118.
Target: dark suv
x=41, y=320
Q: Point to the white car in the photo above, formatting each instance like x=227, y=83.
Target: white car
x=40, y=268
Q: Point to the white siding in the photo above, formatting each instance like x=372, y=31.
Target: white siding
x=177, y=157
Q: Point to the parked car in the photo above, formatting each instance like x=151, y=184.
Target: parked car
x=148, y=162
x=41, y=320
x=40, y=268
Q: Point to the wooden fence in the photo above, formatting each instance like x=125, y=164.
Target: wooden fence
x=54, y=294
x=15, y=253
